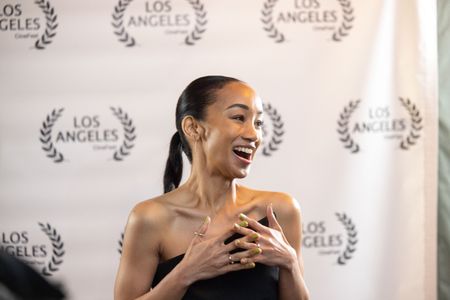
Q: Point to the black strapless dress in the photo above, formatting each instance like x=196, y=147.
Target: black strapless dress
x=259, y=283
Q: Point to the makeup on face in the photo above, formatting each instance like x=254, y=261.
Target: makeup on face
x=234, y=125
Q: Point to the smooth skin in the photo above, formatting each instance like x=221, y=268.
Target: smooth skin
x=213, y=204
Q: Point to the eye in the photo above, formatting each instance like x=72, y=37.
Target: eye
x=239, y=118
x=259, y=123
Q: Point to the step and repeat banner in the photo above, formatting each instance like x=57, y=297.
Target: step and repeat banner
x=88, y=95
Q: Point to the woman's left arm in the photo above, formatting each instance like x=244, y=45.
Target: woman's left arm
x=291, y=284
x=280, y=243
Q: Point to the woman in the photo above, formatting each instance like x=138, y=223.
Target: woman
x=211, y=238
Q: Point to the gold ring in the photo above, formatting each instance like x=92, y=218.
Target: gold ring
x=199, y=234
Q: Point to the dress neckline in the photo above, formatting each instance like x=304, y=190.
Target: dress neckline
x=233, y=237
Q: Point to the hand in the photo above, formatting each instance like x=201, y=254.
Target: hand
x=208, y=258
x=270, y=242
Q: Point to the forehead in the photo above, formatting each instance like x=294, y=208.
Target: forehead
x=237, y=93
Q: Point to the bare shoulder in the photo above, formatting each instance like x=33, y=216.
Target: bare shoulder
x=148, y=218
x=150, y=213
x=284, y=204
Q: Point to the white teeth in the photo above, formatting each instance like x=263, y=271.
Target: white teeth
x=245, y=150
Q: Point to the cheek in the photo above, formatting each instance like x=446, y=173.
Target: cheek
x=260, y=137
x=212, y=142
x=218, y=142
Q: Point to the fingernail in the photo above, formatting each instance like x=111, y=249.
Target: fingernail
x=242, y=216
x=255, y=251
x=250, y=265
x=254, y=236
x=243, y=224
x=236, y=226
x=243, y=261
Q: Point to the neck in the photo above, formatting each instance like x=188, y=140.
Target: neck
x=211, y=192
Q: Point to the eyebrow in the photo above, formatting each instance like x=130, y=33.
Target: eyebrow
x=243, y=106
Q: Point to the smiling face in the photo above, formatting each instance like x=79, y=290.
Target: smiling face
x=233, y=130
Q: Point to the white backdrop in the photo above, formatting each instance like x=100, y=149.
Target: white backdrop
x=87, y=110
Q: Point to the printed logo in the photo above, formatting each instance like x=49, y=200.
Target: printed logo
x=117, y=138
x=335, y=18
x=44, y=254
x=179, y=18
x=380, y=120
x=121, y=243
x=24, y=22
x=340, y=242
x=272, y=131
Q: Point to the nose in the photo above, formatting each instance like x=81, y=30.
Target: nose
x=251, y=133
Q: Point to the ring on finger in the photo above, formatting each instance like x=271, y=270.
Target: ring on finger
x=230, y=260
x=199, y=234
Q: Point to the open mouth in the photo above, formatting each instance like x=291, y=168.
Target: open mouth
x=245, y=153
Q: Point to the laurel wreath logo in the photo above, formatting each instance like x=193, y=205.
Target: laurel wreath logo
x=268, y=24
x=352, y=239
x=58, y=249
x=200, y=23
x=120, y=243
x=347, y=20
x=416, y=124
x=277, y=130
x=46, y=136
x=129, y=41
x=343, y=122
x=117, y=23
x=129, y=134
x=50, y=25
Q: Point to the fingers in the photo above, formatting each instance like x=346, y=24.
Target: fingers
x=237, y=267
x=201, y=230
x=273, y=223
x=245, y=231
x=242, y=260
x=243, y=244
x=204, y=227
x=253, y=223
x=243, y=257
x=226, y=235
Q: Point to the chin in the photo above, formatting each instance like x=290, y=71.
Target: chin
x=242, y=173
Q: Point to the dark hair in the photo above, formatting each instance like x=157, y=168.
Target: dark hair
x=194, y=100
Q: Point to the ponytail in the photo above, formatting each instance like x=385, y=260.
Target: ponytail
x=174, y=164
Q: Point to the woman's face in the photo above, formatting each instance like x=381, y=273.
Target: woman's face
x=233, y=130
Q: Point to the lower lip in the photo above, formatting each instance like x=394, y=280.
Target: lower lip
x=245, y=161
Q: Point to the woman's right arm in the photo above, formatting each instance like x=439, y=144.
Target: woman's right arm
x=140, y=259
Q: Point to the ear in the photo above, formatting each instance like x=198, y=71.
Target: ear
x=192, y=128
